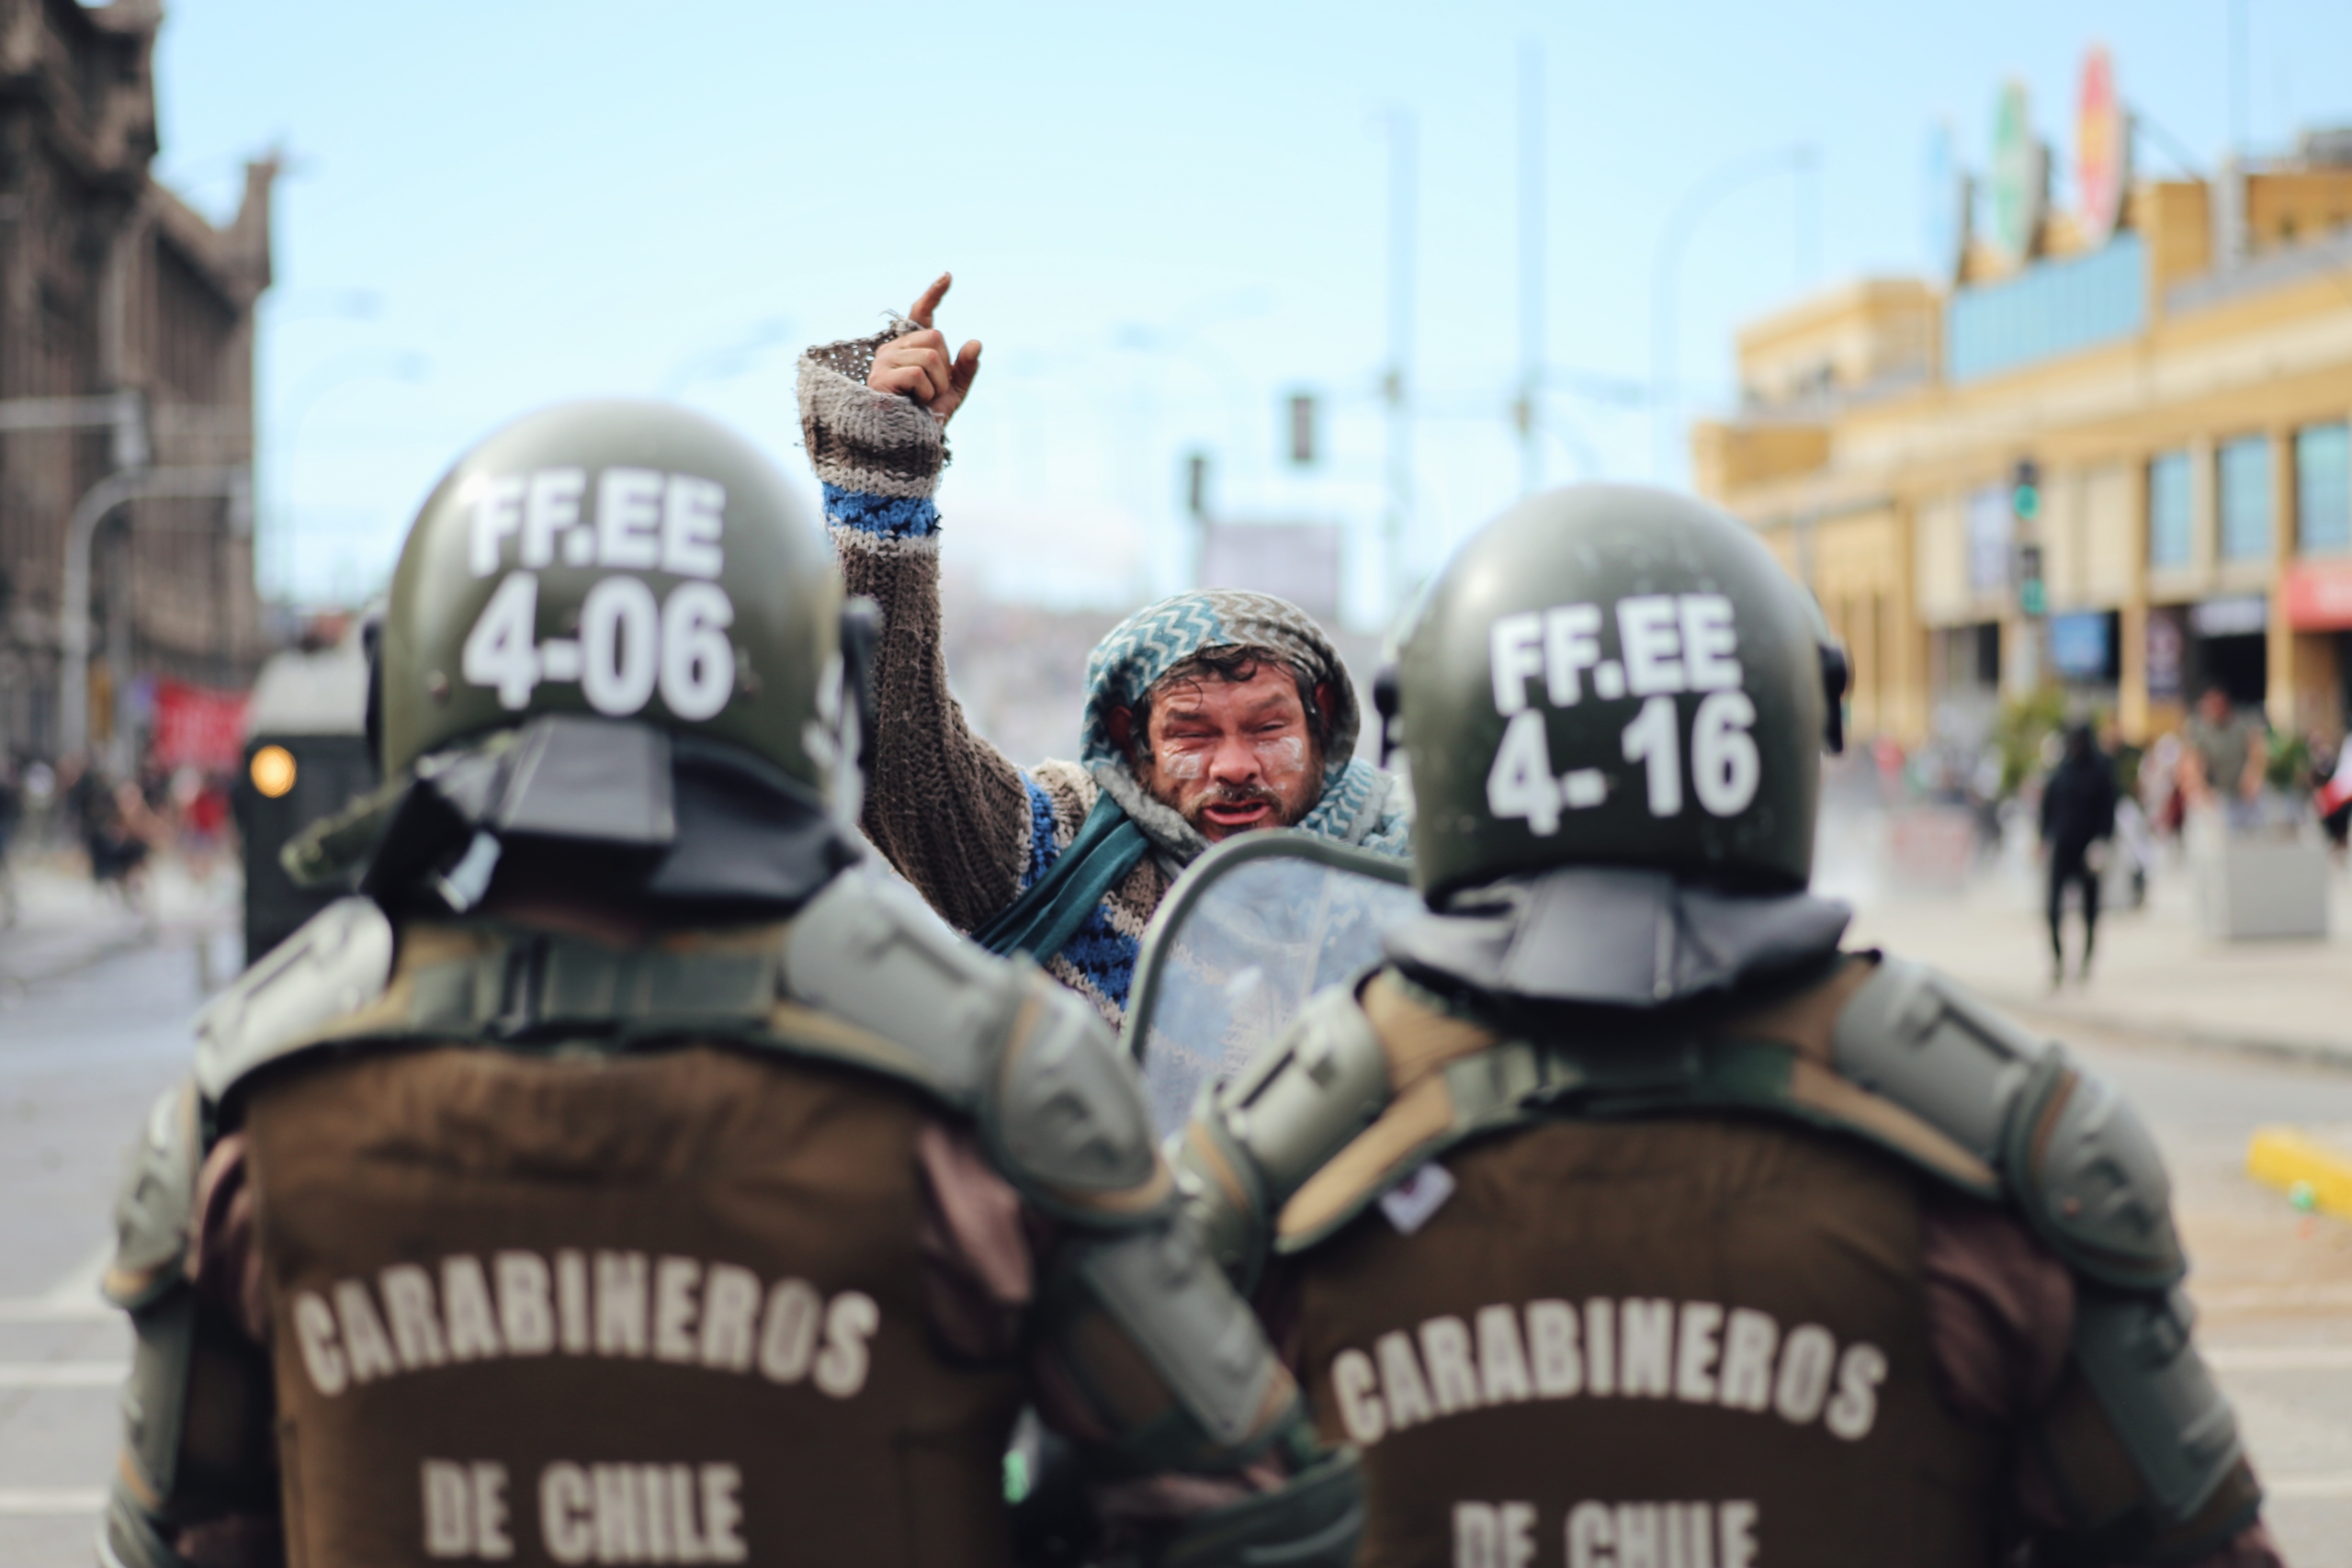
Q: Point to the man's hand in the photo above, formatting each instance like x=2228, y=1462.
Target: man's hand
x=917, y=366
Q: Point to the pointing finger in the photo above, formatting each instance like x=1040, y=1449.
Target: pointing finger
x=929, y=303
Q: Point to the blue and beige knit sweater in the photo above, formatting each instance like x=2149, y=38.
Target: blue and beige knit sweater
x=970, y=830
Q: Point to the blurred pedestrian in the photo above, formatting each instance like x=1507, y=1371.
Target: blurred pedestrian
x=2334, y=798
x=119, y=832
x=2077, y=823
x=12, y=811
x=2228, y=755
x=2164, y=788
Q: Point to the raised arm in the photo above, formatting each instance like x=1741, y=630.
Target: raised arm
x=948, y=809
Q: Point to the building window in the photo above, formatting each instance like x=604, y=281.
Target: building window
x=2323, y=489
x=2168, y=510
x=2245, y=494
x=1990, y=524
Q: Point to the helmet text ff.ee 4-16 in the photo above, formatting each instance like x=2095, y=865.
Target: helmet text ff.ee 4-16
x=1613, y=675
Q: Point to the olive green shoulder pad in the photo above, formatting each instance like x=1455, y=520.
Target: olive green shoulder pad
x=1451, y=1080
x=871, y=977
x=1058, y=1106
x=1886, y=1051
x=865, y=974
x=2076, y=1161
x=1365, y=1090
x=336, y=962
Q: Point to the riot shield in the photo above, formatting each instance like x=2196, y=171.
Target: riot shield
x=1249, y=932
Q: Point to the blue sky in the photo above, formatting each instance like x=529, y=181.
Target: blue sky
x=1161, y=221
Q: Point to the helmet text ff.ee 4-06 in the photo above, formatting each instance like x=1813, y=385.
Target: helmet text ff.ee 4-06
x=1613, y=675
x=631, y=561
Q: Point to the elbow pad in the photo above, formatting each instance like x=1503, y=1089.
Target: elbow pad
x=197, y=1409
x=2140, y=1443
x=1171, y=1360
x=148, y=1281
x=1256, y=1140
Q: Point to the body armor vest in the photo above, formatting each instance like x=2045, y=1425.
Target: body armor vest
x=655, y=1308
x=1623, y=1288
x=1685, y=1343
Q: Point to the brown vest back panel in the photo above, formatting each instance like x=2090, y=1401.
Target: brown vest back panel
x=1687, y=1343
x=661, y=1308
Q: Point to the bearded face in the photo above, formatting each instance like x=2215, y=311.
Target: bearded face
x=1228, y=751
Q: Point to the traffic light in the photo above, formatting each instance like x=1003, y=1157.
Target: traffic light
x=2025, y=505
x=2025, y=490
x=1196, y=483
x=1302, y=429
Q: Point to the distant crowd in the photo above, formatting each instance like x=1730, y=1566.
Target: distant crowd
x=115, y=826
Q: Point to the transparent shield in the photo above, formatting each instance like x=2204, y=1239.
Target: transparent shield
x=1250, y=931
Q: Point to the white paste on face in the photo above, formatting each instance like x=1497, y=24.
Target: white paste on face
x=1283, y=756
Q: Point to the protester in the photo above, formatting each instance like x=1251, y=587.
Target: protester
x=1209, y=714
x=2078, y=826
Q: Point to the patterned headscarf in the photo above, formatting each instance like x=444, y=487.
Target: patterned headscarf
x=1358, y=804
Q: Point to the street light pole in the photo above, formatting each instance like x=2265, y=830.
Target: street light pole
x=234, y=480
x=1531, y=225
x=1397, y=383
x=1665, y=380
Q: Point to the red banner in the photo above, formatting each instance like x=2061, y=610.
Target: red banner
x=197, y=726
x=2319, y=595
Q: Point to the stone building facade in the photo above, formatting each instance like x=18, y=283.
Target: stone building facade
x=109, y=282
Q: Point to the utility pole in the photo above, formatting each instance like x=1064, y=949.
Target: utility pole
x=2238, y=95
x=1525, y=411
x=1397, y=383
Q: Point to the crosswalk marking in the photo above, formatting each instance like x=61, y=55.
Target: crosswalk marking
x=63, y=1374
x=41, y=1309
x=72, y=1299
x=2308, y=1486
x=52, y=1499
x=2279, y=1358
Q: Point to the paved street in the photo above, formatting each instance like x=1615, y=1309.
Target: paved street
x=81, y=1059
x=83, y=1054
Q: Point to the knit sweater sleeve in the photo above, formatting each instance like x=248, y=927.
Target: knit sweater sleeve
x=944, y=806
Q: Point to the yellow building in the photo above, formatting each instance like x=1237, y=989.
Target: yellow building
x=2178, y=395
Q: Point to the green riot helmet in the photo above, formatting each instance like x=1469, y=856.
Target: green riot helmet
x=631, y=561
x=1613, y=675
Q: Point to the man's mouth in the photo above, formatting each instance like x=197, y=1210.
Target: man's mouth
x=1235, y=815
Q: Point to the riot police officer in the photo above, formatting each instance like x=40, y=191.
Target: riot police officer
x=1622, y=1218
x=621, y=1175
